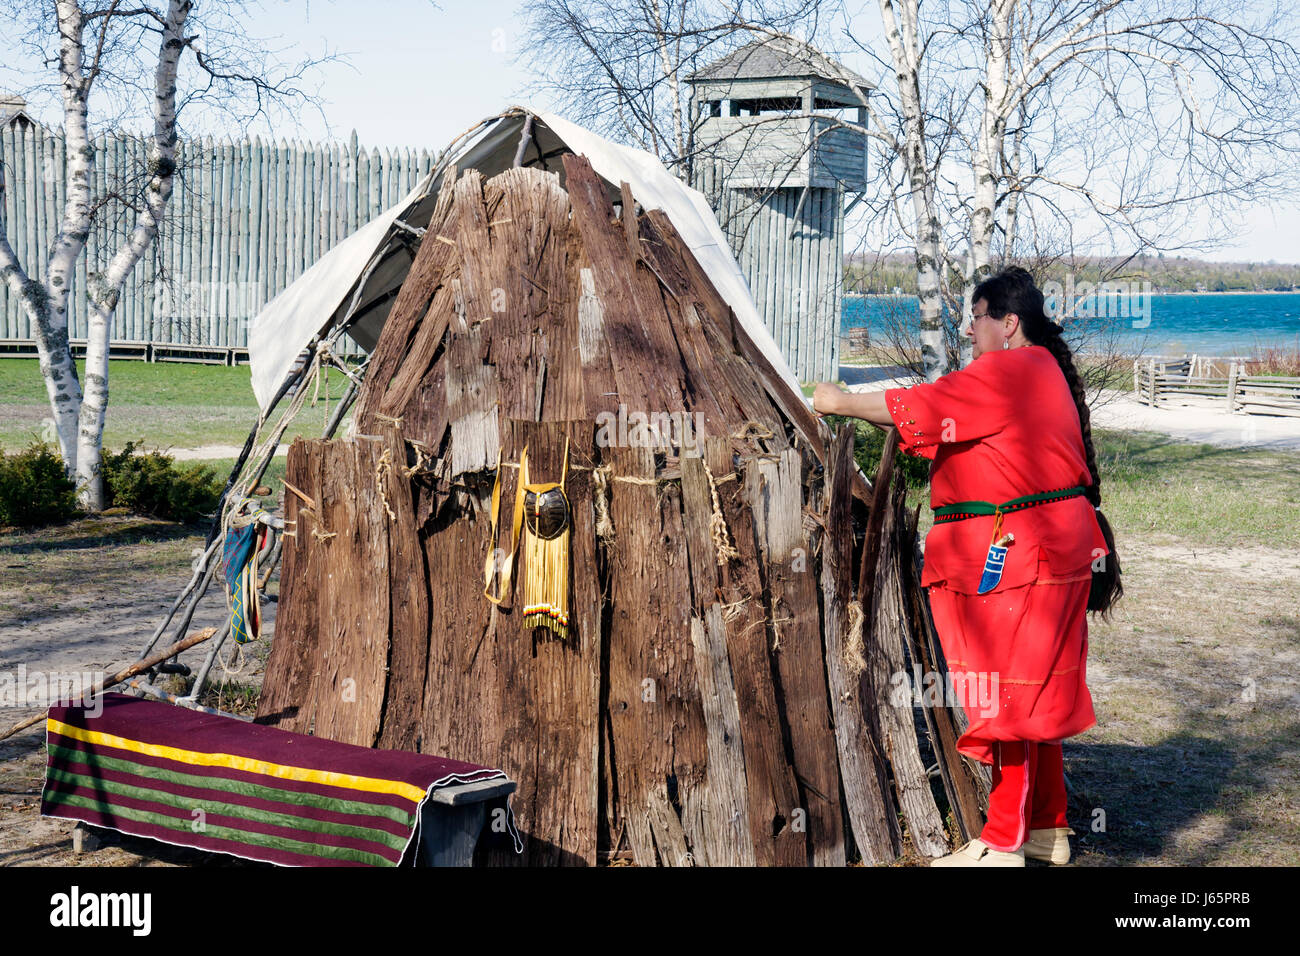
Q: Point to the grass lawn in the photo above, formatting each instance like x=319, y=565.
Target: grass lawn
x=1203, y=495
x=221, y=467
x=165, y=405
x=141, y=383
x=1194, y=759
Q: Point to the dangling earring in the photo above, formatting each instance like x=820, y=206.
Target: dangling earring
x=1006, y=343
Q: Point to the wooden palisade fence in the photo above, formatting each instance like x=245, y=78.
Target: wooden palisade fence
x=246, y=218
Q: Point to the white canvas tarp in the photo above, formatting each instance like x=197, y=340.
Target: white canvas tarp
x=324, y=293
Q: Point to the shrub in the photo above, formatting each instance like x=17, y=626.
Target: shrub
x=869, y=442
x=34, y=488
x=1275, y=360
x=151, y=483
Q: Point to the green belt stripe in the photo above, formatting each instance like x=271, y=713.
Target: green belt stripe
x=243, y=787
x=215, y=831
x=988, y=507
x=254, y=814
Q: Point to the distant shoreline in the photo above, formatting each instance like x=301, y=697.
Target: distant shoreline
x=1088, y=353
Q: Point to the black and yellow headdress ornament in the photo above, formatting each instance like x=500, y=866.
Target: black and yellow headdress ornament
x=542, y=516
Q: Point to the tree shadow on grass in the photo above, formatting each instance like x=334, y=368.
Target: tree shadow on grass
x=85, y=534
x=1149, y=795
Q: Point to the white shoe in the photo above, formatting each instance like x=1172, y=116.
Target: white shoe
x=1052, y=845
x=978, y=853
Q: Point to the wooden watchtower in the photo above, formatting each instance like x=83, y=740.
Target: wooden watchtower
x=774, y=158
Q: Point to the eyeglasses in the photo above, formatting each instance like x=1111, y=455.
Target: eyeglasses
x=974, y=316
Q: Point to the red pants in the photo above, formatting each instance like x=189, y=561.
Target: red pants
x=1028, y=793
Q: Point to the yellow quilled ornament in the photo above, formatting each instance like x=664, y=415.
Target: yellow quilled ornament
x=543, y=518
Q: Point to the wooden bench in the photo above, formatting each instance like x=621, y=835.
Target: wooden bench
x=453, y=818
x=201, y=354
x=308, y=801
x=451, y=822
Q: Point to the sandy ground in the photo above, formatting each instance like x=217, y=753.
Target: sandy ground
x=1198, y=422
x=209, y=452
x=1184, y=768
x=1195, y=759
x=1189, y=419
x=77, y=602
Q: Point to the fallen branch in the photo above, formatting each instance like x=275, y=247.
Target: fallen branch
x=136, y=668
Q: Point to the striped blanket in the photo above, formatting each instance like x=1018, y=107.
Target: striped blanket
x=192, y=779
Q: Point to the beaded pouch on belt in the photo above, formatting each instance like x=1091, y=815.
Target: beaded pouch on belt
x=997, y=556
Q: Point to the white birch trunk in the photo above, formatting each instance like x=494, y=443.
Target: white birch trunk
x=901, y=22
x=668, y=66
x=986, y=161
x=47, y=303
x=106, y=289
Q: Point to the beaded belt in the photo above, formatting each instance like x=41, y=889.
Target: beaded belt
x=971, y=509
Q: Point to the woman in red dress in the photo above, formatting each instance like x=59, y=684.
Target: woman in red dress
x=1013, y=465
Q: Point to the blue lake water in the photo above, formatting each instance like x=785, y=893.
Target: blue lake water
x=1218, y=324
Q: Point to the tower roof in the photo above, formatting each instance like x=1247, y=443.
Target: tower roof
x=778, y=57
x=12, y=109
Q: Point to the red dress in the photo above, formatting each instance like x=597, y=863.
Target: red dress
x=1003, y=427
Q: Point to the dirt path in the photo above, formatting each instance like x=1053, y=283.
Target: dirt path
x=1196, y=682
x=75, y=601
x=1187, y=419
x=211, y=452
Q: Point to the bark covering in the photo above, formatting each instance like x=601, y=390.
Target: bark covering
x=698, y=711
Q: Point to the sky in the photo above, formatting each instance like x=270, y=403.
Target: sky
x=416, y=73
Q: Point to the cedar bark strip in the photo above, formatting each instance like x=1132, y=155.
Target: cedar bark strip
x=773, y=792
x=867, y=798
x=884, y=654
x=653, y=697
x=355, y=595
x=288, y=697
x=471, y=381
x=409, y=600
x=395, y=347
x=718, y=810
x=775, y=493
x=644, y=358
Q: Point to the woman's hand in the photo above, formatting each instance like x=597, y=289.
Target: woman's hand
x=827, y=399
x=830, y=399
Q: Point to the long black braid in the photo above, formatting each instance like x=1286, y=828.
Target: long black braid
x=1013, y=291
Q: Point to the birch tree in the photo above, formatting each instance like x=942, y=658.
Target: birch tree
x=1132, y=122
x=621, y=66
x=903, y=35
x=47, y=303
x=105, y=288
x=139, y=50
